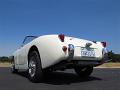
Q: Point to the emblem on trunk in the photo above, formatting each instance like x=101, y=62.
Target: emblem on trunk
x=88, y=44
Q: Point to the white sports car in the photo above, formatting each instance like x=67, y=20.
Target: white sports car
x=48, y=53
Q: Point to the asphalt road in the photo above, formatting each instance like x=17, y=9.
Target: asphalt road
x=101, y=79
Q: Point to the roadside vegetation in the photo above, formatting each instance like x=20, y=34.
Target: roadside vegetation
x=113, y=57
x=5, y=59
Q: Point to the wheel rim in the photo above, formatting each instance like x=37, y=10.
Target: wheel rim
x=84, y=69
x=32, y=68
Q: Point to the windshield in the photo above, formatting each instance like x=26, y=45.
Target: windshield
x=28, y=39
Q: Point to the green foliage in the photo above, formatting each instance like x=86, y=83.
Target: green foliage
x=114, y=57
x=5, y=59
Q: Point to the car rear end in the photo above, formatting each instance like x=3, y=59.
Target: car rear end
x=83, y=52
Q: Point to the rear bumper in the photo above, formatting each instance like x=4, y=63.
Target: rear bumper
x=94, y=62
x=66, y=64
x=89, y=63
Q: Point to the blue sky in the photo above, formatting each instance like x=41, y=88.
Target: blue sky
x=87, y=19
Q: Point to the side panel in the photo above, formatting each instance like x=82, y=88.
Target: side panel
x=50, y=49
x=24, y=56
x=21, y=56
x=16, y=58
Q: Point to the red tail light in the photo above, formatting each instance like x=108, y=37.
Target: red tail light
x=64, y=48
x=104, y=44
x=61, y=37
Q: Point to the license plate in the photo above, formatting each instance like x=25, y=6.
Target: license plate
x=87, y=52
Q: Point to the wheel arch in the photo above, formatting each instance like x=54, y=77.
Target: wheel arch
x=32, y=49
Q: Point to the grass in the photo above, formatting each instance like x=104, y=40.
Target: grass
x=107, y=65
x=5, y=64
x=110, y=65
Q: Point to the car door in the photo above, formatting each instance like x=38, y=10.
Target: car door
x=20, y=56
x=16, y=57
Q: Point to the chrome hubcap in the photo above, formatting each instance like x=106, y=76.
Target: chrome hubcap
x=32, y=68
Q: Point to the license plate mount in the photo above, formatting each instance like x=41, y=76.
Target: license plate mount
x=87, y=52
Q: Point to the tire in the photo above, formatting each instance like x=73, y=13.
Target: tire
x=13, y=70
x=34, y=67
x=84, y=71
x=47, y=71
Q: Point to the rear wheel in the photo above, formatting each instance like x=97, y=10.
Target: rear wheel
x=35, y=69
x=84, y=71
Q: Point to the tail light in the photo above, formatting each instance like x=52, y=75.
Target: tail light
x=104, y=44
x=64, y=48
x=61, y=37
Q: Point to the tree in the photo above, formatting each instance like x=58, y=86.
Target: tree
x=4, y=59
x=114, y=57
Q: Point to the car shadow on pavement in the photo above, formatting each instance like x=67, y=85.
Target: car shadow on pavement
x=63, y=78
